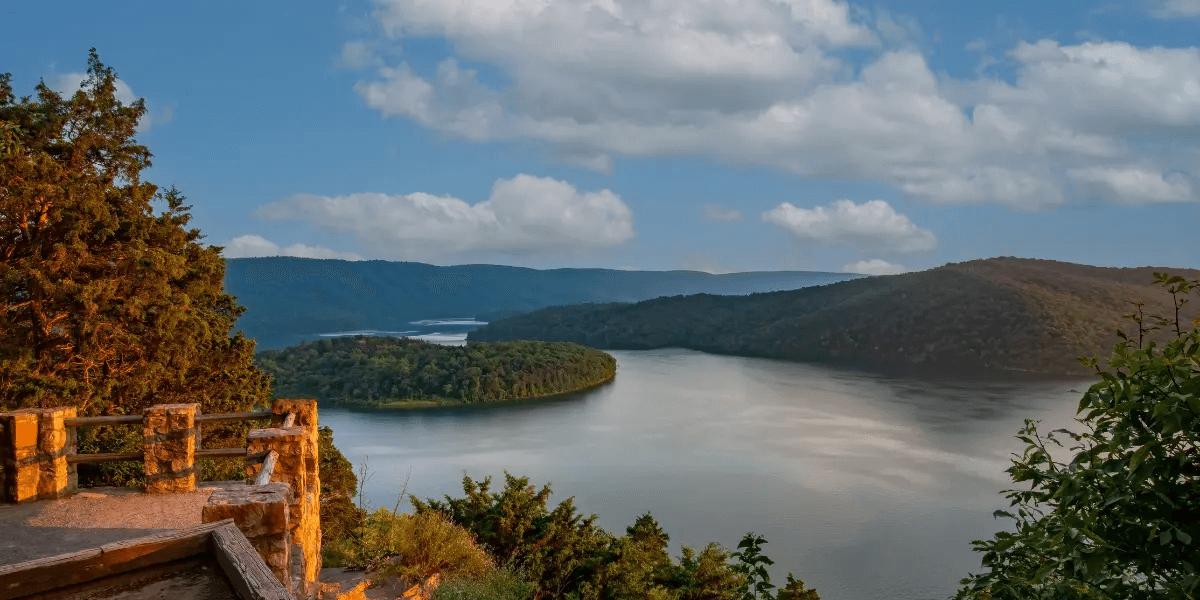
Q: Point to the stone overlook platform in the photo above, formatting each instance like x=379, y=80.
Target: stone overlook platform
x=277, y=508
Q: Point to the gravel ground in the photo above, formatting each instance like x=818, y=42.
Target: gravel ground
x=122, y=508
x=92, y=518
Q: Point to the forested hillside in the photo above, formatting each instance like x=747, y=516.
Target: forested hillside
x=383, y=371
x=290, y=299
x=1010, y=314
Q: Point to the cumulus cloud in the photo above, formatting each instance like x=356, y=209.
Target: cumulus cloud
x=69, y=83
x=712, y=212
x=874, y=266
x=763, y=82
x=1175, y=9
x=524, y=216
x=1135, y=185
x=872, y=226
x=254, y=245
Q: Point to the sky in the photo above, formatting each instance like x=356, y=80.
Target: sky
x=707, y=135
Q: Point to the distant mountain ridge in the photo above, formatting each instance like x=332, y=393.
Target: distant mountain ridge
x=1001, y=314
x=290, y=298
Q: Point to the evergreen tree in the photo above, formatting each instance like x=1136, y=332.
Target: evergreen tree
x=108, y=307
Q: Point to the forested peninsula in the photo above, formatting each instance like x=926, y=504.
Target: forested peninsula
x=1000, y=314
x=388, y=372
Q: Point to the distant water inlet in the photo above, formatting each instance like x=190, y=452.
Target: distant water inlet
x=452, y=331
x=864, y=486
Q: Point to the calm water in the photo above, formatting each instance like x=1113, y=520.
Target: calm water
x=865, y=487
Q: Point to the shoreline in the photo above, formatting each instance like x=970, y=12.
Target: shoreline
x=431, y=404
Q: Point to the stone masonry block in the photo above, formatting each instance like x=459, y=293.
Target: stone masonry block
x=55, y=476
x=258, y=510
x=169, y=433
x=261, y=513
x=19, y=470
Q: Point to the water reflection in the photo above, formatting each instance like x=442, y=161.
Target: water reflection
x=865, y=486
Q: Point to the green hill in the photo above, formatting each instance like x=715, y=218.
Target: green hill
x=1008, y=314
x=402, y=372
x=289, y=299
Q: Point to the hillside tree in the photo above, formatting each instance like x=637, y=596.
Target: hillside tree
x=108, y=307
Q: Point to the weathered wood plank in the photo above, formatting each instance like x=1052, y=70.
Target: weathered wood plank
x=100, y=457
x=247, y=572
x=109, y=420
x=221, y=452
x=268, y=467
x=43, y=574
x=246, y=416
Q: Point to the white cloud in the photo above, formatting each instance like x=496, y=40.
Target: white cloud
x=357, y=55
x=762, y=82
x=872, y=226
x=524, y=216
x=253, y=245
x=874, y=266
x=1135, y=185
x=1175, y=9
x=67, y=84
x=713, y=212
x=595, y=161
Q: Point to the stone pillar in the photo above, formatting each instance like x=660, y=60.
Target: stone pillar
x=309, y=528
x=55, y=477
x=261, y=512
x=291, y=446
x=19, y=469
x=298, y=465
x=169, y=442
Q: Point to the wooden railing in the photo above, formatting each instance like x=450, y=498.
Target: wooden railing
x=74, y=458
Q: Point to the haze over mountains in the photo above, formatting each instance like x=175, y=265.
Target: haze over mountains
x=289, y=298
x=1002, y=314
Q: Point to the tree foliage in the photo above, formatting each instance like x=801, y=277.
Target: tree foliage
x=377, y=371
x=566, y=556
x=108, y=307
x=1120, y=519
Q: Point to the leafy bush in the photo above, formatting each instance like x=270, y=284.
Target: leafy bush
x=496, y=584
x=1119, y=520
x=411, y=548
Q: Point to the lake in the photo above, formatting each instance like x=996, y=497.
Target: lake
x=864, y=486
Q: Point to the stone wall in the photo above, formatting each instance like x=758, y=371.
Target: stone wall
x=34, y=443
x=261, y=512
x=294, y=557
x=281, y=519
x=169, y=431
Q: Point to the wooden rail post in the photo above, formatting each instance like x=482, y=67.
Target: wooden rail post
x=169, y=432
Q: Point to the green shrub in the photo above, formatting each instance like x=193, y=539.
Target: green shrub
x=410, y=547
x=496, y=584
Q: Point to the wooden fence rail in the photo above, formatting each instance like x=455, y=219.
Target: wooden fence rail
x=39, y=455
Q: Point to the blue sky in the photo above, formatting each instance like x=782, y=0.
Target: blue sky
x=713, y=135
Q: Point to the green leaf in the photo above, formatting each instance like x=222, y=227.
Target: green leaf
x=1137, y=458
